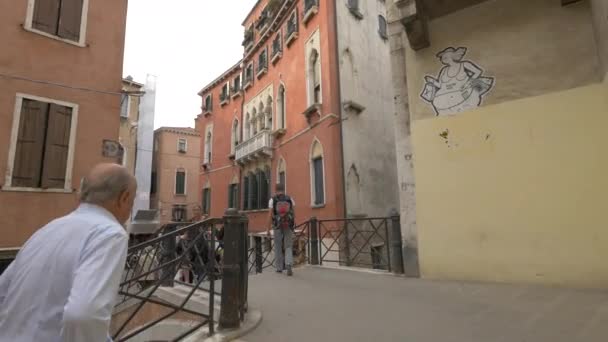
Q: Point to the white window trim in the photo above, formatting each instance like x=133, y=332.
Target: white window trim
x=29, y=18
x=67, y=188
x=185, y=144
x=309, y=89
x=312, y=176
x=185, y=182
x=124, y=155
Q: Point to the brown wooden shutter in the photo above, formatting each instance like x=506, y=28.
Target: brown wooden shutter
x=56, y=147
x=27, y=165
x=46, y=16
x=70, y=17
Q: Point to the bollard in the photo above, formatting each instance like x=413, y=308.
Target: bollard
x=396, y=243
x=231, y=277
x=314, y=241
x=259, y=258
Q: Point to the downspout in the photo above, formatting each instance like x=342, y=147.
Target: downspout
x=339, y=96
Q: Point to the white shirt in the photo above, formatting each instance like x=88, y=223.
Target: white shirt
x=62, y=285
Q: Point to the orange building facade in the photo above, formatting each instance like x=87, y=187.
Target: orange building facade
x=277, y=117
x=60, y=91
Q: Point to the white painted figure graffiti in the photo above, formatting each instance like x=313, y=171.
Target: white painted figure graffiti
x=459, y=86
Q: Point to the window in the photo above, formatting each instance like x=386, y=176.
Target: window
x=153, y=183
x=206, y=201
x=254, y=127
x=314, y=78
x=268, y=113
x=208, y=146
x=42, y=144
x=281, y=106
x=382, y=27
x=292, y=28
x=181, y=145
x=124, y=106
x=236, y=85
x=318, y=177
x=262, y=62
x=178, y=213
x=281, y=173
x=180, y=182
x=208, y=104
x=311, y=7
x=253, y=191
x=248, y=81
x=247, y=132
x=317, y=174
x=233, y=195
x=248, y=38
x=246, y=192
x=60, y=19
x=235, y=136
x=276, y=47
x=353, y=7
x=264, y=187
x=225, y=94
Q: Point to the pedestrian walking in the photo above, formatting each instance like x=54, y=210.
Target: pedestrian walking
x=282, y=220
x=63, y=283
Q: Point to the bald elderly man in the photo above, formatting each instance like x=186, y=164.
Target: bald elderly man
x=63, y=283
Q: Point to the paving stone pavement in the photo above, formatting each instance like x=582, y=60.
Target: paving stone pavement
x=319, y=304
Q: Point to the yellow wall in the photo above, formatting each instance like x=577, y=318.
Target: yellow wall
x=516, y=192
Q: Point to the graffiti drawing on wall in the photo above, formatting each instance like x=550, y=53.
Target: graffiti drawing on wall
x=459, y=86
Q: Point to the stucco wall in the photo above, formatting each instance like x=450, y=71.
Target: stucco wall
x=530, y=47
x=167, y=161
x=515, y=192
x=368, y=141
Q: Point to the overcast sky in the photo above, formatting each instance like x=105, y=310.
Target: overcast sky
x=186, y=44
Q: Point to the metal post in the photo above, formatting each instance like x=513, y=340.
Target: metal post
x=231, y=287
x=244, y=248
x=314, y=241
x=169, y=253
x=396, y=243
x=259, y=258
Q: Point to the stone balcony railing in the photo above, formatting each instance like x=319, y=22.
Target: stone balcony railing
x=259, y=146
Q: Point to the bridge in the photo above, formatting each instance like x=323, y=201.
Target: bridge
x=347, y=287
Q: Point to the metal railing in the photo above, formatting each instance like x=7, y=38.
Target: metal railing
x=208, y=250
x=155, y=263
x=352, y=242
x=261, y=253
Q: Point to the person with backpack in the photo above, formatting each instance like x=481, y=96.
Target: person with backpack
x=282, y=221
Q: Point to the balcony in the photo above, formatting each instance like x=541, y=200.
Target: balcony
x=260, y=146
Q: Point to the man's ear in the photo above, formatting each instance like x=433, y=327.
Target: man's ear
x=124, y=197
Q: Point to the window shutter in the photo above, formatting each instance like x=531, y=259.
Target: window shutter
x=46, y=16
x=230, y=197
x=236, y=195
x=70, y=17
x=180, y=180
x=124, y=104
x=57, y=145
x=208, y=201
x=30, y=144
x=253, y=195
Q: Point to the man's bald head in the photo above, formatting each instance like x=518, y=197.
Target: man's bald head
x=104, y=183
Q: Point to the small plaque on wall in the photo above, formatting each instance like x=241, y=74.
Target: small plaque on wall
x=111, y=149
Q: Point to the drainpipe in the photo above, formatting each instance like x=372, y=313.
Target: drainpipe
x=339, y=96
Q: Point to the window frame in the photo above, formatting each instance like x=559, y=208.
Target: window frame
x=313, y=191
x=29, y=18
x=8, y=183
x=179, y=140
x=127, y=97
